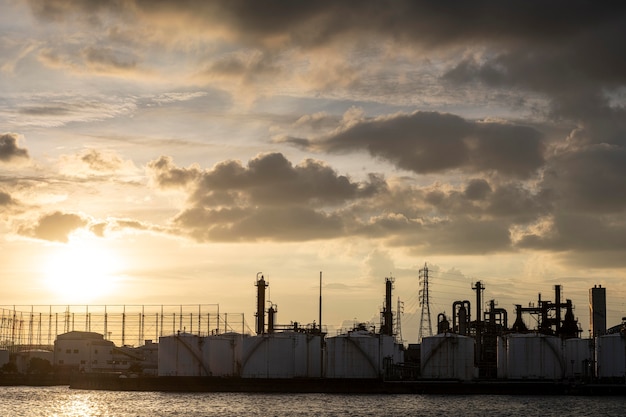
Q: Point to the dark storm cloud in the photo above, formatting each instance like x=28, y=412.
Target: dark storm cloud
x=54, y=227
x=428, y=142
x=264, y=223
x=320, y=22
x=578, y=234
x=270, y=198
x=410, y=20
x=590, y=180
x=477, y=189
x=566, y=53
x=9, y=149
x=576, y=70
x=458, y=235
x=268, y=179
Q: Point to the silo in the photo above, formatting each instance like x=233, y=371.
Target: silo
x=281, y=355
x=578, y=355
x=308, y=356
x=501, y=360
x=531, y=356
x=222, y=353
x=356, y=354
x=448, y=356
x=181, y=355
x=611, y=356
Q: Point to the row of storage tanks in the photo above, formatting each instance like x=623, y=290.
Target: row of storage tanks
x=355, y=354
x=526, y=356
x=362, y=354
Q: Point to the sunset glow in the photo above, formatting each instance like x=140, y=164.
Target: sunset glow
x=164, y=153
x=81, y=272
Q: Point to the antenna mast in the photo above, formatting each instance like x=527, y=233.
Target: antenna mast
x=426, y=328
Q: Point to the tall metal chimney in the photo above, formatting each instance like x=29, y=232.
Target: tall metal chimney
x=260, y=303
x=387, y=326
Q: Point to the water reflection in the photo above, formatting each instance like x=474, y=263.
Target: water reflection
x=63, y=402
x=79, y=405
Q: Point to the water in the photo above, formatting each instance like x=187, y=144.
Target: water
x=63, y=402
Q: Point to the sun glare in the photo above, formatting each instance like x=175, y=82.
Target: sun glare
x=82, y=271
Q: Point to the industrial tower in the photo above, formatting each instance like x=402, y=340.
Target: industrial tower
x=426, y=328
x=400, y=312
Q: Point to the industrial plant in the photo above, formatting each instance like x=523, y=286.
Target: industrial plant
x=471, y=350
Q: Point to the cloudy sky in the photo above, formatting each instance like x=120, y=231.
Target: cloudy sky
x=163, y=152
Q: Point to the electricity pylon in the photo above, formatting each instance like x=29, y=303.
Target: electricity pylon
x=426, y=328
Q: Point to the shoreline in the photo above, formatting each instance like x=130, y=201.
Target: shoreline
x=343, y=386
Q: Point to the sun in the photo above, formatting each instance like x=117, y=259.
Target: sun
x=82, y=271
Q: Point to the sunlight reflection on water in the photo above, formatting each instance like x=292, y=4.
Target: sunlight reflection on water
x=63, y=402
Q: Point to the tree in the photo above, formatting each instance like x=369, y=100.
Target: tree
x=9, y=368
x=39, y=366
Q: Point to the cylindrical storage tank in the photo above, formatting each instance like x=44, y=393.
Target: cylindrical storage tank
x=391, y=349
x=355, y=354
x=611, y=356
x=222, y=354
x=448, y=356
x=181, y=355
x=315, y=356
x=578, y=355
x=308, y=356
x=501, y=360
x=533, y=356
x=276, y=355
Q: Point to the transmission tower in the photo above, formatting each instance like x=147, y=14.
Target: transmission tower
x=426, y=328
x=399, y=313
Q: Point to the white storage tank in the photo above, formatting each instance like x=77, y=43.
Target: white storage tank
x=391, y=349
x=448, y=356
x=611, y=356
x=222, y=353
x=530, y=356
x=359, y=354
x=502, y=370
x=182, y=355
x=578, y=355
x=311, y=356
x=281, y=355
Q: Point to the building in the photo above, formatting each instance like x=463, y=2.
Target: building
x=83, y=351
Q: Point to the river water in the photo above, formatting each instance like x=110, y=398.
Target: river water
x=62, y=402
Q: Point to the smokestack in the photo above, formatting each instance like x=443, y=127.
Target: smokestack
x=260, y=305
x=387, y=327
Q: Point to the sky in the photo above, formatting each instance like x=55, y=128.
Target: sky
x=165, y=152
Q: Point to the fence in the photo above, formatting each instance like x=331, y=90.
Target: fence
x=36, y=326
